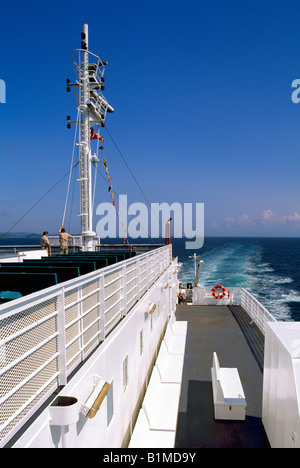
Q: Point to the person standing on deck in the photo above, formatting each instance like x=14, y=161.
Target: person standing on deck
x=45, y=244
x=64, y=241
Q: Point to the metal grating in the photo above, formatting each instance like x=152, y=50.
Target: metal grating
x=29, y=366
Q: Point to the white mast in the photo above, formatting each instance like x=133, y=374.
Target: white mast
x=92, y=108
x=84, y=148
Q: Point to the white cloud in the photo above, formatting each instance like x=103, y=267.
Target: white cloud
x=266, y=218
x=267, y=214
x=229, y=220
x=294, y=217
x=241, y=220
x=244, y=220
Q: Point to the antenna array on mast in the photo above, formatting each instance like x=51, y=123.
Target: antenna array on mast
x=92, y=107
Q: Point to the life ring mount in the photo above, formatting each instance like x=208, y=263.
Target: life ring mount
x=221, y=294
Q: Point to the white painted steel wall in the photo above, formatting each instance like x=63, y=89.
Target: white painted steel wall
x=46, y=335
x=281, y=388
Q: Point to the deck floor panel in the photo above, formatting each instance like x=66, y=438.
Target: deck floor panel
x=217, y=328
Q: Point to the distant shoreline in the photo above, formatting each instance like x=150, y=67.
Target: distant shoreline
x=26, y=235
x=21, y=235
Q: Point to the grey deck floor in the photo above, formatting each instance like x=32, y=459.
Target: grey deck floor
x=215, y=328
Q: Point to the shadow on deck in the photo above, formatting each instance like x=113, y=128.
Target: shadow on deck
x=238, y=343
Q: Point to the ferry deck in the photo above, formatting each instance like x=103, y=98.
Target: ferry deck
x=215, y=329
x=91, y=314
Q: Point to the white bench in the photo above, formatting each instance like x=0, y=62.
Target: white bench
x=169, y=366
x=157, y=420
x=175, y=343
x=178, y=327
x=144, y=437
x=161, y=403
x=228, y=394
x=175, y=336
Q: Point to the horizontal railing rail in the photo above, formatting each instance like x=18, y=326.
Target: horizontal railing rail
x=46, y=335
x=237, y=296
x=255, y=310
x=16, y=248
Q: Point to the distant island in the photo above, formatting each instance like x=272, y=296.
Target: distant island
x=18, y=235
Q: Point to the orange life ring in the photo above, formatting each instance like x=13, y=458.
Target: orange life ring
x=222, y=294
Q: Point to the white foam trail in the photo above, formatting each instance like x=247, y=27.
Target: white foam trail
x=241, y=265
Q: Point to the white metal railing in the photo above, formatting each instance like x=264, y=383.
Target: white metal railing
x=238, y=296
x=46, y=335
x=255, y=310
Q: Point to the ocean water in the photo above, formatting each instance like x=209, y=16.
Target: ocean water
x=269, y=268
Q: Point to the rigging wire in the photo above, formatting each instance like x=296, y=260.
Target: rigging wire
x=116, y=194
x=94, y=191
x=133, y=176
x=70, y=174
x=125, y=162
x=71, y=205
x=69, y=181
x=48, y=191
x=95, y=177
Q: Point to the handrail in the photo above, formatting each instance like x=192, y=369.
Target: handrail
x=255, y=310
x=98, y=401
x=46, y=335
x=238, y=296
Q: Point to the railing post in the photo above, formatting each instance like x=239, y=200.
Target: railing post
x=138, y=279
x=80, y=323
x=147, y=272
x=62, y=338
x=124, y=291
x=102, y=308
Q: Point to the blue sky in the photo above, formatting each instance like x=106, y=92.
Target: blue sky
x=203, y=109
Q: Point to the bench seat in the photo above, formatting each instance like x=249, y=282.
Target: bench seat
x=144, y=437
x=175, y=343
x=178, y=327
x=169, y=366
x=228, y=394
x=157, y=419
x=161, y=403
